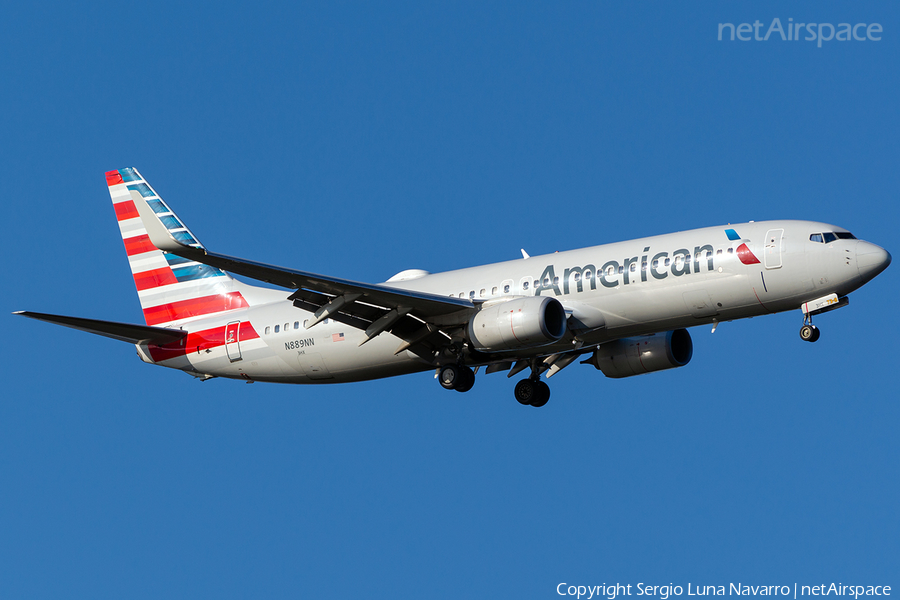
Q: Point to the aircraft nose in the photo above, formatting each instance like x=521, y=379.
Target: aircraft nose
x=871, y=260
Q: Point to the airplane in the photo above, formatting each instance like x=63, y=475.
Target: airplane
x=625, y=306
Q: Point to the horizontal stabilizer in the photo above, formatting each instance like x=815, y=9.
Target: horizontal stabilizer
x=136, y=334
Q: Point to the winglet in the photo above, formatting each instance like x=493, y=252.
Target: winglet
x=156, y=231
x=170, y=288
x=525, y=254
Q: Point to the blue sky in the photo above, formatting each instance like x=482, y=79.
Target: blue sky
x=361, y=139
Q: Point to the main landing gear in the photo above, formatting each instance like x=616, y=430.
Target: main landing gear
x=533, y=392
x=529, y=392
x=809, y=332
x=456, y=377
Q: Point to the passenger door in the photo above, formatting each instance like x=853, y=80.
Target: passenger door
x=232, y=341
x=773, y=248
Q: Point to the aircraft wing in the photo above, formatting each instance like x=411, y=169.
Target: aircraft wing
x=421, y=319
x=125, y=332
x=424, y=304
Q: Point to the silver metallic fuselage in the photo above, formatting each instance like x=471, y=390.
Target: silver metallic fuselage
x=643, y=286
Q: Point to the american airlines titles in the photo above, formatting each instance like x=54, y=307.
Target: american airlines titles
x=613, y=274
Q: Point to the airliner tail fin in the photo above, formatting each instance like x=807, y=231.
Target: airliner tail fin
x=170, y=288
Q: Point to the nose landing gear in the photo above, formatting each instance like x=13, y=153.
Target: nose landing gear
x=809, y=332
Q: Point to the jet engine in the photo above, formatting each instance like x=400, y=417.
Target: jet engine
x=644, y=354
x=518, y=323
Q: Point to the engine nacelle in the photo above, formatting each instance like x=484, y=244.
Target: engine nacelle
x=519, y=323
x=644, y=354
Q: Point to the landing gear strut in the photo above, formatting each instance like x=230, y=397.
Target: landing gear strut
x=809, y=332
x=532, y=391
x=456, y=377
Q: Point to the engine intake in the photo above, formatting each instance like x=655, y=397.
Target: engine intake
x=644, y=354
x=518, y=323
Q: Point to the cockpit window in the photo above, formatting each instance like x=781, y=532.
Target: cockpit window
x=830, y=236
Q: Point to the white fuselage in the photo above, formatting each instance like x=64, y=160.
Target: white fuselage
x=611, y=291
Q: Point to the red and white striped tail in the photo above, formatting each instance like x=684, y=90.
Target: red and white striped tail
x=170, y=288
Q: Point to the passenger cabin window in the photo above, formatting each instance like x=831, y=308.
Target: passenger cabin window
x=472, y=294
x=525, y=285
x=482, y=292
x=731, y=251
x=296, y=324
x=494, y=291
x=506, y=289
x=267, y=331
x=305, y=322
x=816, y=237
x=462, y=294
x=277, y=328
x=719, y=252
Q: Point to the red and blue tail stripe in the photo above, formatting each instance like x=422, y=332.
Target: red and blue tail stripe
x=170, y=288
